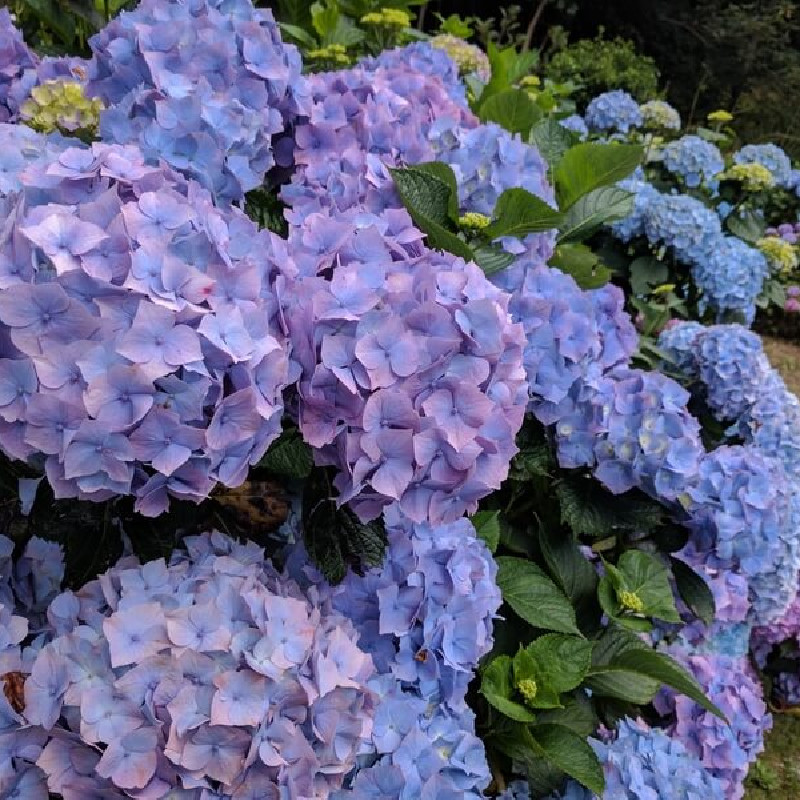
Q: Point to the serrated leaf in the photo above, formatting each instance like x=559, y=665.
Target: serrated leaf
x=533, y=596
x=427, y=200
x=487, y=526
x=592, y=511
x=525, y=667
x=562, y=660
x=582, y=264
x=590, y=165
x=626, y=685
x=661, y=668
x=492, y=259
x=694, y=591
x=513, y=110
x=519, y=212
x=289, y=455
x=646, y=273
x=444, y=173
x=598, y=207
x=570, y=753
x=577, y=714
x=552, y=140
x=531, y=462
x=366, y=541
x=496, y=688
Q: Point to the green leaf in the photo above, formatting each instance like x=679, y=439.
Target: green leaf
x=533, y=596
x=577, y=714
x=427, y=200
x=513, y=110
x=590, y=510
x=592, y=210
x=626, y=685
x=562, y=660
x=525, y=667
x=647, y=272
x=496, y=688
x=487, y=526
x=712, y=136
x=444, y=172
x=366, y=541
x=747, y=226
x=298, y=34
x=289, y=455
x=492, y=259
x=508, y=66
x=648, y=578
x=590, y=165
x=519, y=212
x=660, y=668
x=324, y=19
x=582, y=264
x=530, y=462
x=552, y=140
x=570, y=753
x=694, y=591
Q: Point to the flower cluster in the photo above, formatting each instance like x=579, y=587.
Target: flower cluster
x=643, y=762
x=694, y=160
x=754, y=177
x=423, y=59
x=769, y=156
x=787, y=231
x=17, y=65
x=781, y=254
x=425, y=617
x=412, y=381
x=742, y=521
x=204, y=86
x=22, y=147
x=387, y=18
x=363, y=121
x=613, y=111
x=576, y=124
x=212, y=673
x=658, y=115
x=729, y=273
x=725, y=749
x=62, y=105
x=792, y=304
x=634, y=430
x=141, y=348
x=470, y=59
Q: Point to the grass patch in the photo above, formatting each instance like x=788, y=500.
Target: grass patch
x=776, y=774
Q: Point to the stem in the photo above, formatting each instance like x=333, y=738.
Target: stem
x=533, y=23
x=421, y=18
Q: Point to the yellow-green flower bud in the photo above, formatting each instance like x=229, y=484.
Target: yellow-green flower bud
x=720, y=116
x=664, y=288
x=387, y=18
x=474, y=221
x=527, y=688
x=630, y=601
x=62, y=105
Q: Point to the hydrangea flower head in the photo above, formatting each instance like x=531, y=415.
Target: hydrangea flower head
x=205, y=86
x=213, y=669
x=144, y=355
x=695, y=160
x=576, y=124
x=614, y=111
x=769, y=156
x=469, y=58
x=61, y=105
x=659, y=115
x=17, y=68
x=781, y=255
x=753, y=176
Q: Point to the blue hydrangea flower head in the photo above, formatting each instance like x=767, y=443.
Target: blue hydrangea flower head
x=576, y=124
x=770, y=156
x=615, y=112
x=694, y=160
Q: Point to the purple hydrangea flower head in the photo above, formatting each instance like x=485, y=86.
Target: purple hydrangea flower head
x=130, y=366
x=412, y=382
x=211, y=671
x=205, y=86
x=614, y=111
x=696, y=161
x=17, y=68
x=726, y=750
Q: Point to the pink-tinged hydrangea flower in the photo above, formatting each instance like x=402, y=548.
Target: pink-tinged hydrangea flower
x=125, y=363
x=725, y=749
x=412, y=385
x=156, y=686
x=208, y=87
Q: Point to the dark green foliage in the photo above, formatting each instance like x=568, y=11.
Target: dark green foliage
x=599, y=65
x=289, y=456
